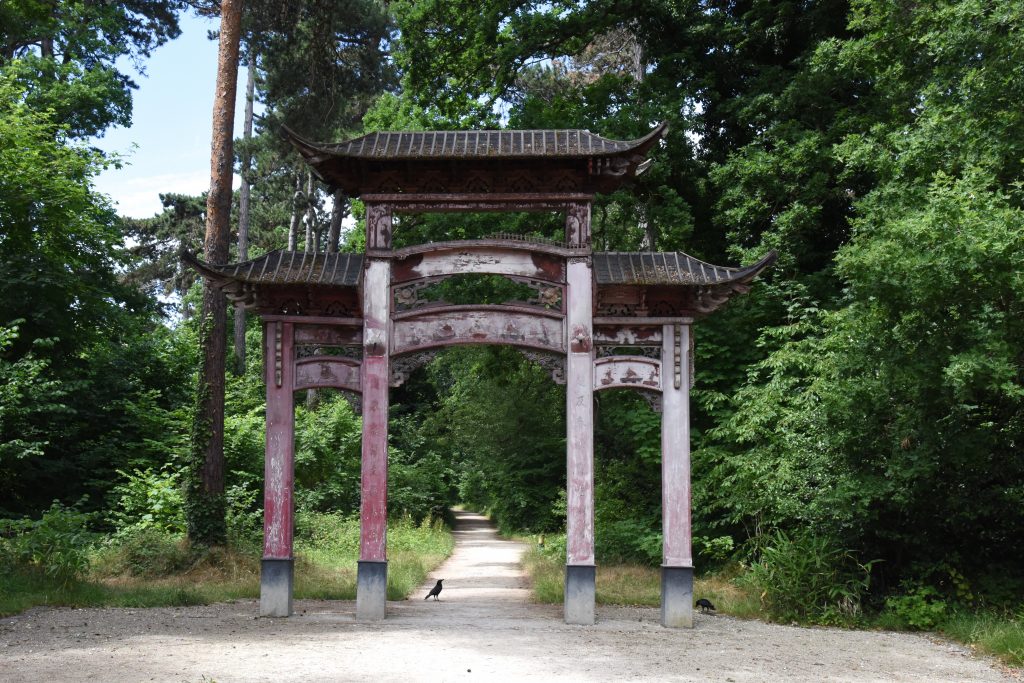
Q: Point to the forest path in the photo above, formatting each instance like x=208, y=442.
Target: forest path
x=483, y=628
x=483, y=578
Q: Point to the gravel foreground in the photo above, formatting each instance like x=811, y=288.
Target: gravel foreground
x=484, y=628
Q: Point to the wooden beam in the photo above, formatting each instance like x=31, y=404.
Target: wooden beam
x=675, y=447
x=478, y=325
x=328, y=372
x=579, y=418
x=374, y=381
x=279, y=465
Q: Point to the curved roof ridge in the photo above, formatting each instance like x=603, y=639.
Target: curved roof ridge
x=465, y=144
x=667, y=268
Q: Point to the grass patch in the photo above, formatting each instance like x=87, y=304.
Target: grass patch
x=989, y=633
x=154, y=569
x=328, y=548
x=635, y=585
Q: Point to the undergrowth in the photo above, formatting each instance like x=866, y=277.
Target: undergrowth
x=151, y=567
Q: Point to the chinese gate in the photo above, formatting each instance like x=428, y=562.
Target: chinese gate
x=596, y=320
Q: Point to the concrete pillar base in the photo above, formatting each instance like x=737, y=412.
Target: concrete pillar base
x=579, y=594
x=677, y=597
x=371, y=590
x=276, y=580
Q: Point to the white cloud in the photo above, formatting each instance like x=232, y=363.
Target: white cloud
x=139, y=197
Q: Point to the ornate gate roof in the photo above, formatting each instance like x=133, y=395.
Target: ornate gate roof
x=487, y=161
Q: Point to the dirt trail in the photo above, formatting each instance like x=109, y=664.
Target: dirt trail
x=484, y=628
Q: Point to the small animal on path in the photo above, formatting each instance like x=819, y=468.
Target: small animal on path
x=435, y=590
x=703, y=603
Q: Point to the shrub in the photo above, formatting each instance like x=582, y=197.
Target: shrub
x=149, y=499
x=920, y=608
x=807, y=577
x=144, y=552
x=58, y=543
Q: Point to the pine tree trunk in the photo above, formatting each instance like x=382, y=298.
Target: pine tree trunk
x=243, y=215
x=205, y=505
x=310, y=214
x=293, y=227
x=334, y=235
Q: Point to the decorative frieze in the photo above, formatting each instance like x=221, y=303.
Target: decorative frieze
x=404, y=365
x=554, y=363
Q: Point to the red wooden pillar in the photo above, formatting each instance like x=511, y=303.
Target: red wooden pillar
x=277, y=570
x=579, y=564
x=677, y=558
x=372, y=578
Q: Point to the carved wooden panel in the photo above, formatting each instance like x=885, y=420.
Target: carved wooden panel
x=339, y=373
x=474, y=326
x=490, y=260
x=327, y=335
x=630, y=372
x=627, y=335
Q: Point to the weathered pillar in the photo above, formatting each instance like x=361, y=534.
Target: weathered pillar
x=579, y=418
x=372, y=577
x=277, y=570
x=677, y=558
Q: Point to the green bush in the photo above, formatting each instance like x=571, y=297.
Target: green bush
x=244, y=514
x=920, y=608
x=149, y=499
x=58, y=543
x=808, y=577
x=143, y=552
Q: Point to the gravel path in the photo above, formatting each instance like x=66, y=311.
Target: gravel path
x=483, y=628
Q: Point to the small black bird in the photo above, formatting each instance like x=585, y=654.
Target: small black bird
x=435, y=590
x=705, y=605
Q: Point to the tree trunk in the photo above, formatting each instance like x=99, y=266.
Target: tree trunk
x=243, y=214
x=205, y=505
x=310, y=213
x=293, y=227
x=334, y=234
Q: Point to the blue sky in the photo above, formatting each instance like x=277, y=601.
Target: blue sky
x=167, y=148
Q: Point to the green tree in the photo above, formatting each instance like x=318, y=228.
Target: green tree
x=65, y=55
x=104, y=374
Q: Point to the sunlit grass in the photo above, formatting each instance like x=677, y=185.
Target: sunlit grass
x=990, y=633
x=170, y=574
x=636, y=585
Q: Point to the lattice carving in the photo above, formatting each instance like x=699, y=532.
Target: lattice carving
x=310, y=350
x=552, y=362
x=645, y=351
x=653, y=399
x=710, y=298
x=410, y=296
x=407, y=297
x=378, y=226
x=403, y=366
x=577, y=224
x=355, y=400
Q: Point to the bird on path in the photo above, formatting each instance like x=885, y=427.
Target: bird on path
x=435, y=590
x=705, y=605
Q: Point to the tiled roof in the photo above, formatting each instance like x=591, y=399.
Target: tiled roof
x=477, y=144
x=668, y=268
x=290, y=267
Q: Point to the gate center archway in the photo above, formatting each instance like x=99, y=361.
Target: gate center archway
x=598, y=320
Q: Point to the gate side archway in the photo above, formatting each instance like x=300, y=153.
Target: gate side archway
x=599, y=320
